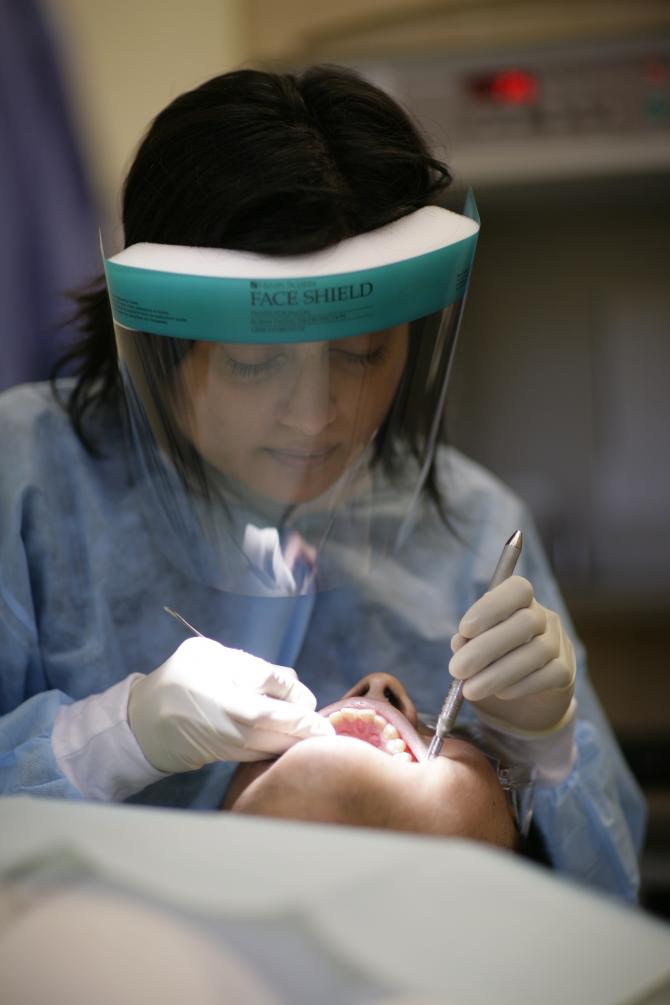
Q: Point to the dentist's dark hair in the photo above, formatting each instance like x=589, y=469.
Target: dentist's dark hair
x=274, y=163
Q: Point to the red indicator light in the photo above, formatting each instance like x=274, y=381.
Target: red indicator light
x=514, y=87
x=657, y=72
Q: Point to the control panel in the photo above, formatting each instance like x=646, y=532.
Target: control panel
x=569, y=110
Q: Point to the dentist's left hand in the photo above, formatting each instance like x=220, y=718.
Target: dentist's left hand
x=518, y=664
x=210, y=703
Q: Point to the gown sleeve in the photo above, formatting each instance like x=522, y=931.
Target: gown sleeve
x=27, y=763
x=27, y=706
x=592, y=822
x=50, y=743
x=590, y=813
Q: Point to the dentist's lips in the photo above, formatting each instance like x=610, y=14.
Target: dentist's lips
x=377, y=723
x=301, y=459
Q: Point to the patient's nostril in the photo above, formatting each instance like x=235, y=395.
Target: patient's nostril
x=360, y=690
x=392, y=697
x=385, y=687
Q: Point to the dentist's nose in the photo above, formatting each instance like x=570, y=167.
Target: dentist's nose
x=385, y=687
x=308, y=406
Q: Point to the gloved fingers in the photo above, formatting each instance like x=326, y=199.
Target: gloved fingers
x=485, y=649
x=555, y=676
x=271, y=680
x=510, y=669
x=281, y=685
x=495, y=606
x=260, y=713
x=457, y=642
x=558, y=674
x=261, y=744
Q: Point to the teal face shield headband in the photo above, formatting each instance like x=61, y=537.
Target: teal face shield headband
x=284, y=411
x=405, y=270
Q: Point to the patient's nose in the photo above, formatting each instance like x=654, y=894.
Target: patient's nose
x=385, y=687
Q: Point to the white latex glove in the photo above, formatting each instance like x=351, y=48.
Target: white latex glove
x=519, y=664
x=209, y=703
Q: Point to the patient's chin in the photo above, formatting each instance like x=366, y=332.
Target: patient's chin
x=324, y=765
x=333, y=763
x=344, y=780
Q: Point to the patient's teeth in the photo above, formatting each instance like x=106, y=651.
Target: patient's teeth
x=352, y=717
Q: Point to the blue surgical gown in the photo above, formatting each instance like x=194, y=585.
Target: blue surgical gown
x=83, y=582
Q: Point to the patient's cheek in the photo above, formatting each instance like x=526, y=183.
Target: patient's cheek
x=343, y=780
x=472, y=803
x=243, y=777
x=308, y=782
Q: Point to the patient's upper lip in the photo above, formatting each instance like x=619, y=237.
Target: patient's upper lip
x=384, y=708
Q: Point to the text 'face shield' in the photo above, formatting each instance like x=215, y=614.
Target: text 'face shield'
x=284, y=411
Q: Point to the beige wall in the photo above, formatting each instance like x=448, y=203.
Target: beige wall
x=124, y=60
x=299, y=31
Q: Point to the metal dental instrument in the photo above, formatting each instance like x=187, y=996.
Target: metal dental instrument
x=454, y=700
x=184, y=622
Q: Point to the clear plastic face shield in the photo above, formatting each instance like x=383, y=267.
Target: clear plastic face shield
x=284, y=411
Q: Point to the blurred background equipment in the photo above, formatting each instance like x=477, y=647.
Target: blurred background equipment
x=568, y=146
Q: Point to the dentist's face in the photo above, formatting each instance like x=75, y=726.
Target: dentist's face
x=375, y=773
x=287, y=420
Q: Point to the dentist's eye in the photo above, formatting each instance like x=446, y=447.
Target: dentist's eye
x=248, y=363
x=362, y=359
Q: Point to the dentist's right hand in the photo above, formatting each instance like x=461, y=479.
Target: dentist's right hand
x=210, y=703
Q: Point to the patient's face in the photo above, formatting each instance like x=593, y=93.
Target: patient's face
x=374, y=773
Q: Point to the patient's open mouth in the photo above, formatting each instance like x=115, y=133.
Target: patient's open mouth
x=376, y=723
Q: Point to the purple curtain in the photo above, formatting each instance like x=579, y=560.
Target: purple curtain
x=48, y=235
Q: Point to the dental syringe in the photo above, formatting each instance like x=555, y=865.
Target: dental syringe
x=452, y=703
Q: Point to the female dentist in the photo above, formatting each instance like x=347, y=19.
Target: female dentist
x=252, y=438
